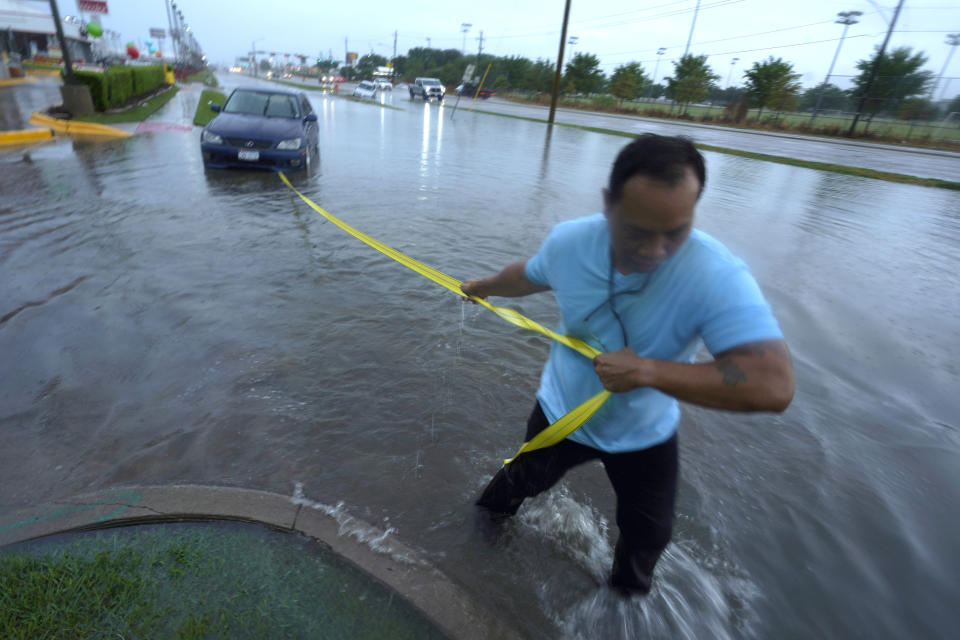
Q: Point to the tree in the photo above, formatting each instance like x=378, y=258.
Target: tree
x=834, y=98
x=324, y=66
x=692, y=79
x=917, y=109
x=772, y=83
x=583, y=71
x=627, y=81
x=501, y=84
x=954, y=106
x=540, y=76
x=399, y=66
x=264, y=65
x=368, y=64
x=898, y=78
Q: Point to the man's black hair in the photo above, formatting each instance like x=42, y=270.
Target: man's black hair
x=660, y=157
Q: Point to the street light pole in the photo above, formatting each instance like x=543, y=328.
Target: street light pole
x=873, y=72
x=846, y=18
x=953, y=39
x=253, y=55
x=729, y=73
x=656, y=68
x=464, y=26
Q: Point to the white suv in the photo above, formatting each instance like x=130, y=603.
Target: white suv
x=427, y=88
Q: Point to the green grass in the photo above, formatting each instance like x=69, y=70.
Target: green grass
x=204, y=113
x=301, y=85
x=205, y=77
x=194, y=581
x=927, y=134
x=138, y=113
x=796, y=162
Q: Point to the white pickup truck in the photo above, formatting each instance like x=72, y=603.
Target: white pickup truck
x=427, y=88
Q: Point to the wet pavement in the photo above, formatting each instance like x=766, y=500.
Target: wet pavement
x=913, y=161
x=163, y=325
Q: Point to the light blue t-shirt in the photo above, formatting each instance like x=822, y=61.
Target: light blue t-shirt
x=702, y=292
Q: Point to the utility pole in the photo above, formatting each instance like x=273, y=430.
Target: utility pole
x=480, y=51
x=556, y=75
x=953, y=40
x=428, y=42
x=846, y=18
x=67, y=61
x=873, y=72
x=346, y=50
x=394, y=44
x=692, y=25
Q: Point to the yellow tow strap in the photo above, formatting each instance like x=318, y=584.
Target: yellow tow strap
x=556, y=431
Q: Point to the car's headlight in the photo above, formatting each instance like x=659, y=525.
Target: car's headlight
x=292, y=143
x=211, y=137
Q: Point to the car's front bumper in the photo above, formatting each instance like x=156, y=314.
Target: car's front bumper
x=223, y=156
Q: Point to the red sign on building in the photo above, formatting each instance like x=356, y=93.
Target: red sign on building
x=92, y=6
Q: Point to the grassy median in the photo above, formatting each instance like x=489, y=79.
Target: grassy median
x=204, y=113
x=200, y=580
x=139, y=113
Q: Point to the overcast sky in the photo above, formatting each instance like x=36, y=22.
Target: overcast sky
x=802, y=32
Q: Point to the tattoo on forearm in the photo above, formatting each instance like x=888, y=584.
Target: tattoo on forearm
x=732, y=374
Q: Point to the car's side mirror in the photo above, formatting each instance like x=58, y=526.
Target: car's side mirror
x=214, y=107
x=311, y=117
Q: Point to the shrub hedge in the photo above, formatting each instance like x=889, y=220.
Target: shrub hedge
x=119, y=84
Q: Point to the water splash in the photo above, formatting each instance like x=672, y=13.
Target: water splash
x=576, y=529
x=376, y=539
x=695, y=595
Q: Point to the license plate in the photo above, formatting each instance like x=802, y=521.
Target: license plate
x=248, y=155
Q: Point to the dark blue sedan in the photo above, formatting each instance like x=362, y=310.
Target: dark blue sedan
x=262, y=129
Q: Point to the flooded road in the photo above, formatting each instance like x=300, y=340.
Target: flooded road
x=162, y=325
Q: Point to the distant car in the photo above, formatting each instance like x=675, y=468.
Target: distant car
x=427, y=88
x=383, y=84
x=366, y=89
x=469, y=89
x=262, y=129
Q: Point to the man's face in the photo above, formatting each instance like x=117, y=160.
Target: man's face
x=651, y=221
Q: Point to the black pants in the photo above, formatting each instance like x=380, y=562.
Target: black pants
x=645, y=483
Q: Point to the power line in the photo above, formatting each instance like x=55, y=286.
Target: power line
x=702, y=42
x=781, y=46
x=620, y=23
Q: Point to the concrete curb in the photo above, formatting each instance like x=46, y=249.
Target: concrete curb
x=24, y=136
x=12, y=82
x=365, y=546
x=73, y=128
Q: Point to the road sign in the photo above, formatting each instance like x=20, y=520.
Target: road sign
x=158, y=33
x=468, y=72
x=92, y=6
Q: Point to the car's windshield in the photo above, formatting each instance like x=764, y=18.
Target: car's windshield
x=431, y=83
x=259, y=103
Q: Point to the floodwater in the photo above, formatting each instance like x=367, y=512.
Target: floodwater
x=163, y=325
